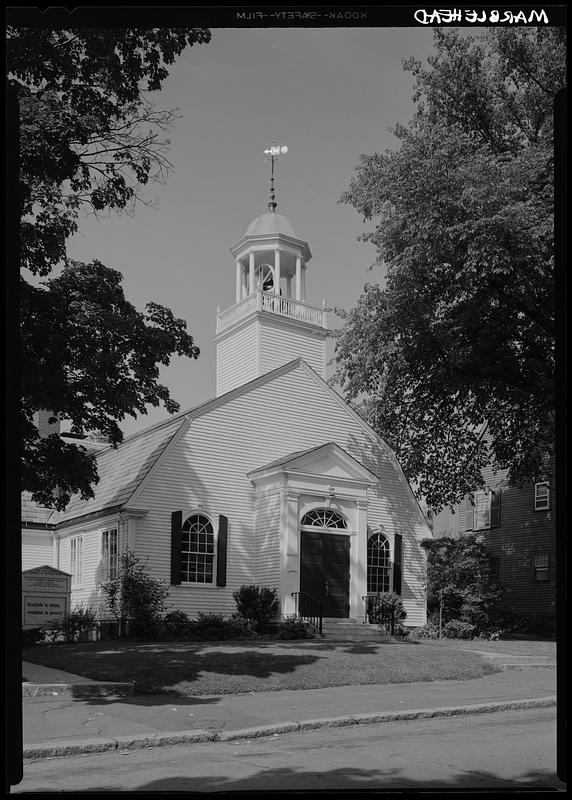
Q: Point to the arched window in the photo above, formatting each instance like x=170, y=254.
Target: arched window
x=197, y=550
x=377, y=564
x=324, y=518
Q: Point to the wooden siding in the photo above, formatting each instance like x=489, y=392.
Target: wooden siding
x=37, y=549
x=522, y=533
x=208, y=466
x=267, y=539
x=281, y=341
x=237, y=357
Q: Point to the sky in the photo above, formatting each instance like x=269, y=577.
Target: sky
x=327, y=94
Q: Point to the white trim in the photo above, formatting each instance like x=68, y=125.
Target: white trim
x=537, y=498
x=199, y=511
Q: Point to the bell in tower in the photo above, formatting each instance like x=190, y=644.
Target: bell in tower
x=270, y=322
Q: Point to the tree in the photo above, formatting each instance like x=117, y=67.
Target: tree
x=463, y=333
x=459, y=588
x=89, y=140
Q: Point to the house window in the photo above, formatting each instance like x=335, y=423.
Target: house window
x=541, y=496
x=377, y=564
x=109, y=555
x=482, y=511
x=197, y=550
x=324, y=518
x=541, y=567
x=76, y=559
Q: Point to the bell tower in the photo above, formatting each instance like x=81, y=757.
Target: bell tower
x=271, y=321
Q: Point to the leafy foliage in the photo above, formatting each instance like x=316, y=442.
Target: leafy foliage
x=458, y=582
x=257, y=604
x=387, y=611
x=176, y=624
x=292, y=628
x=76, y=626
x=136, y=596
x=463, y=332
x=89, y=140
x=212, y=626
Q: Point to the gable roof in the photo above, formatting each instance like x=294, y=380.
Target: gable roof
x=302, y=458
x=122, y=470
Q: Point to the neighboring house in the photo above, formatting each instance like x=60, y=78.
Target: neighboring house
x=518, y=526
x=275, y=481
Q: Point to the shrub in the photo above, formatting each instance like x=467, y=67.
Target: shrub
x=76, y=626
x=136, y=596
x=428, y=631
x=257, y=604
x=216, y=627
x=32, y=636
x=458, y=629
x=176, y=624
x=387, y=611
x=292, y=628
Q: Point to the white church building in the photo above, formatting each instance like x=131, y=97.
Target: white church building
x=276, y=481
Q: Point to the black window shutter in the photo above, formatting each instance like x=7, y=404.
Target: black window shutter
x=397, y=551
x=468, y=515
x=221, y=550
x=495, y=509
x=176, y=524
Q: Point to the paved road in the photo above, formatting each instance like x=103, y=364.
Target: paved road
x=513, y=749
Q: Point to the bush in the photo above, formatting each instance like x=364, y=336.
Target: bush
x=216, y=627
x=136, y=596
x=458, y=629
x=292, y=628
x=257, y=604
x=428, y=631
x=386, y=609
x=32, y=636
x=176, y=624
x=77, y=626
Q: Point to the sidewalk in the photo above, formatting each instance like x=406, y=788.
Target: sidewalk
x=66, y=714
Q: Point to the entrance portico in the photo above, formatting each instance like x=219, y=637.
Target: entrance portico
x=320, y=541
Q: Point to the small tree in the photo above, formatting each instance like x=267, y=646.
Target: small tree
x=458, y=582
x=387, y=611
x=257, y=604
x=135, y=595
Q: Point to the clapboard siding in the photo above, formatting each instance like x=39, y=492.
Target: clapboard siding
x=267, y=537
x=280, y=343
x=209, y=463
x=522, y=533
x=37, y=549
x=237, y=358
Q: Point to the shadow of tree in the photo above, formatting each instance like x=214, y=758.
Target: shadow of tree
x=352, y=779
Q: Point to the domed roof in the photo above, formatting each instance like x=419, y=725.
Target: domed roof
x=270, y=223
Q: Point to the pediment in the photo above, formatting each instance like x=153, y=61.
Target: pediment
x=327, y=460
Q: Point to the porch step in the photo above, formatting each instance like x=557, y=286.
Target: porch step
x=350, y=630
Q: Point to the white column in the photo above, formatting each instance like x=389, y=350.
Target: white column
x=358, y=562
x=303, y=297
x=298, y=278
x=238, y=281
x=290, y=552
x=243, y=274
x=277, y=272
x=251, y=286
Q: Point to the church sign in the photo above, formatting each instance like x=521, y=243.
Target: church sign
x=45, y=596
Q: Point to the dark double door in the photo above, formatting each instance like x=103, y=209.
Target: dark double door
x=325, y=572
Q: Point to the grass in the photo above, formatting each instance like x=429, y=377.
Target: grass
x=194, y=669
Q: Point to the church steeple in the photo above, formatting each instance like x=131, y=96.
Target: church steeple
x=271, y=321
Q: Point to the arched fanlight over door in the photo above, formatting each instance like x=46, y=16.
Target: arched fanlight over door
x=324, y=518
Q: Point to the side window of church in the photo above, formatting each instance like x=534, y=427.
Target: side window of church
x=197, y=550
x=483, y=511
x=540, y=567
x=541, y=496
x=377, y=564
x=109, y=554
x=76, y=560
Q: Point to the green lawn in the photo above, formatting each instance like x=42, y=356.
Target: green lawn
x=247, y=666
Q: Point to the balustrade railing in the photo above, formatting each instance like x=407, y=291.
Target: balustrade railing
x=309, y=609
x=275, y=304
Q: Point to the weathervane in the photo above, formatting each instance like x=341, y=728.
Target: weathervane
x=274, y=152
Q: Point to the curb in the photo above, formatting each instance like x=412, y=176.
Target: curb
x=30, y=689
x=112, y=745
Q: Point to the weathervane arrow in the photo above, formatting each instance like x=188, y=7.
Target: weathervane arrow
x=273, y=153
